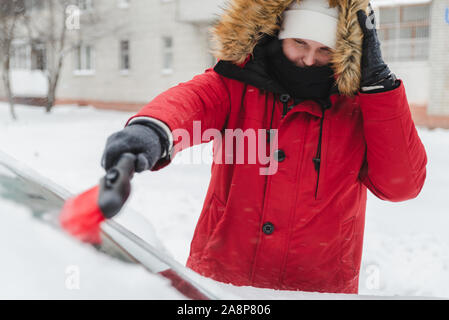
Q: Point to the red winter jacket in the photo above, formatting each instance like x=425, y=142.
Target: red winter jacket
x=300, y=228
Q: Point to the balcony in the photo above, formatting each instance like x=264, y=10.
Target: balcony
x=199, y=11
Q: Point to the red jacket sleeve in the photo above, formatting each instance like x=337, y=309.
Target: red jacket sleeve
x=395, y=166
x=204, y=99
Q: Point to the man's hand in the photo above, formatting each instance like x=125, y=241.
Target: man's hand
x=375, y=73
x=138, y=139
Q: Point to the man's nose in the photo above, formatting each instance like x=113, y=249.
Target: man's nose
x=309, y=59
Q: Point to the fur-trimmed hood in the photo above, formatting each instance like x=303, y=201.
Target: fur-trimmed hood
x=245, y=22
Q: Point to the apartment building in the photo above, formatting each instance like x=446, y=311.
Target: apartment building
x=142, y=47
x=157, y=44
x=415, y=43
x=150, y=45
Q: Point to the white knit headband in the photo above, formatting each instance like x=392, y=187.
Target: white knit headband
x=311, y=19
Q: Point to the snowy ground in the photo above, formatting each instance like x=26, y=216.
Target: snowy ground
x=406, y=246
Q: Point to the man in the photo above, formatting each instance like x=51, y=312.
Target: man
x=339, y=121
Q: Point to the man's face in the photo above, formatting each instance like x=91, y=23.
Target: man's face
x=306, y=53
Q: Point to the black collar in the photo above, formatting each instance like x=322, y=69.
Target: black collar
x=255, y=71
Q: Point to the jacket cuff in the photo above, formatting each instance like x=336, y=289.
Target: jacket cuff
x=383, y=105
x=386, y=84
x=167, y=153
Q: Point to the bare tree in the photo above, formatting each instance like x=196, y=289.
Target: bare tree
x=10, y=12
x=47, y=24
x=58, y=26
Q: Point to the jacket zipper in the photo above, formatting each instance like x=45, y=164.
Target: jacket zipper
x=317, y=159
x=284, y=98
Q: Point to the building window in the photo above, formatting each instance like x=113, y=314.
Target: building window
x=27, y=57
x=125, y=63
x=20, y=56
x=84, y=62
x=38, y=57
x=404, y=32
x=85, y=5
x=167, y=48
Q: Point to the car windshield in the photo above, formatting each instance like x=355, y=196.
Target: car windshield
x=40, y=262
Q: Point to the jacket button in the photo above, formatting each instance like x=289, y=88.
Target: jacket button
x=268, y=228
x=279, y=155
x=284, y=98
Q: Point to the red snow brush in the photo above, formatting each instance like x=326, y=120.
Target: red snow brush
x=82, y=215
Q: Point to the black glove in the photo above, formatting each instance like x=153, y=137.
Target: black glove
x=144, y=139
x=375, y=72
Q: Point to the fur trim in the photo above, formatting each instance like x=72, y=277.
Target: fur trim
x=244, y=22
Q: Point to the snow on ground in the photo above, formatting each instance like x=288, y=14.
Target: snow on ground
x=406, y=245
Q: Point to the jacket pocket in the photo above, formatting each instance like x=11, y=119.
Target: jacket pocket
x=347, y=239
x=216, y=211
x=207, y=226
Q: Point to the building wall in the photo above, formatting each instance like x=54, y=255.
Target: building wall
x=199, y=10
x=439, y=59
x=144, y=24
x=416, y=79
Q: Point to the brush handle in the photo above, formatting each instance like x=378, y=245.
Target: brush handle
x=115, y=187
